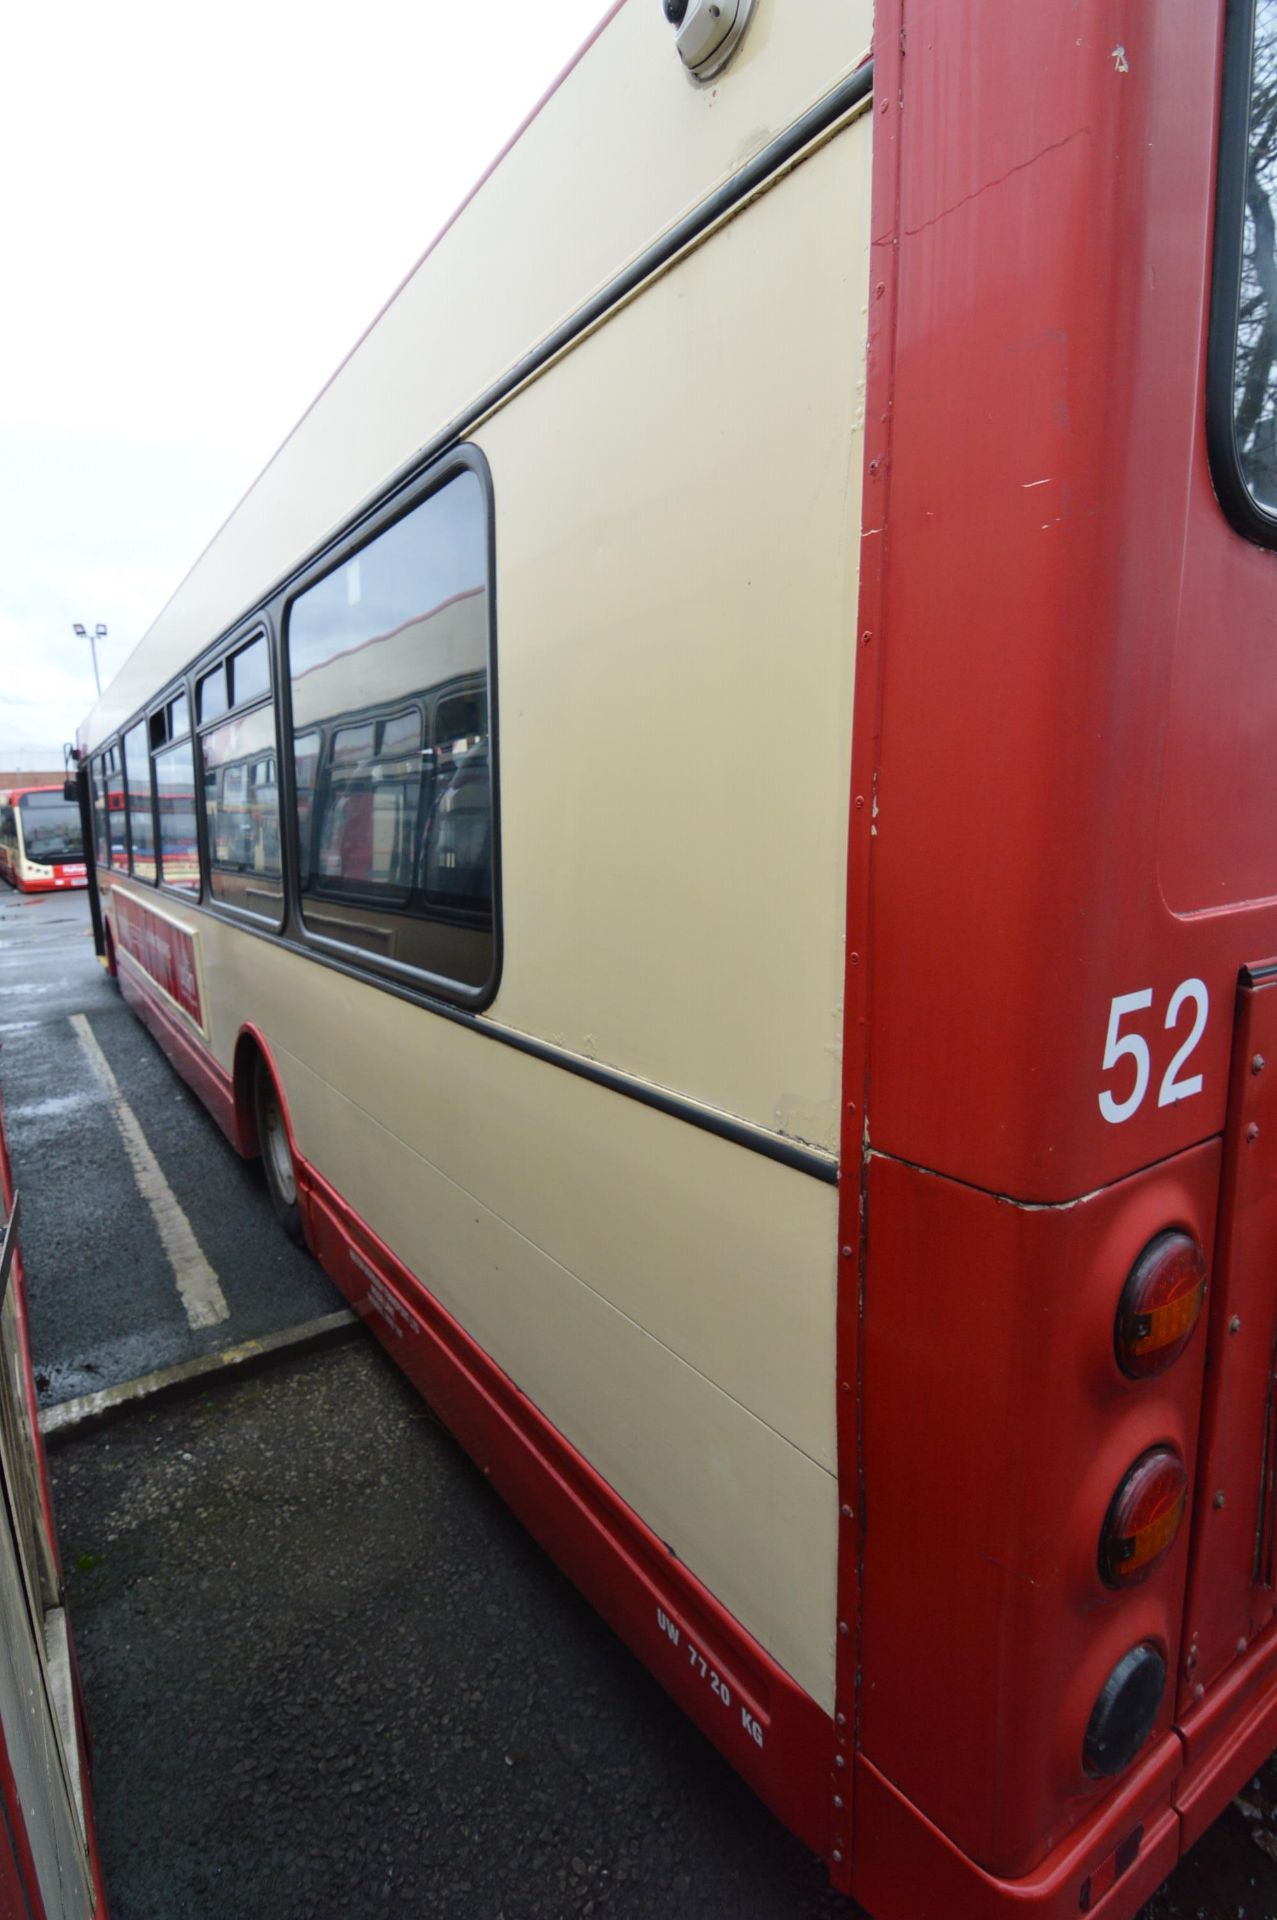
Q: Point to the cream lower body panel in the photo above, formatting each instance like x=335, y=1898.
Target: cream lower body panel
x=753, y=1517
x=666, y=1298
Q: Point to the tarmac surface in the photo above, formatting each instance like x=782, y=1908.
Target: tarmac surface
x=105, y=1303
x=327, y=1674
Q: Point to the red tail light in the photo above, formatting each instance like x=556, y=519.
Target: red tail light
x=1160, y=1306
x=1143, y=1519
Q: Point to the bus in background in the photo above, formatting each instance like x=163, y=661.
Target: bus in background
x=41, y=845
x=813, y=1200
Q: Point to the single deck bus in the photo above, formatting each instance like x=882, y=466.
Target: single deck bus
x=41, y=847
x=734, y=891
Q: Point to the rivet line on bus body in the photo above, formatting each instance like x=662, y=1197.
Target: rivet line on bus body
x=842, y=1626
x=1252, y=1132
x=837, y=1799
x=1219, y=1498
x=841, y=1719
x=837, y=1854
x=1257, y=1063
x=840, y=1759
x=860, y=800
x=1235, y=1325
x=846, y=1253
x=847, y=1513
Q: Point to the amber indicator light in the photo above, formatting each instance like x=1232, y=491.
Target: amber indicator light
x=1143, y=1519
x=1160, y=1306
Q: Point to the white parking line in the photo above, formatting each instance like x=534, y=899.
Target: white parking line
x=202, y=1297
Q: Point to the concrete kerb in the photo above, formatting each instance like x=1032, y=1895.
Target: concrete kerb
x=68, y=1417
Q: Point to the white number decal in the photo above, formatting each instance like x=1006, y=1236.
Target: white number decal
x=1119, y=1046
x=1173, y=1089
x=1133, y=1043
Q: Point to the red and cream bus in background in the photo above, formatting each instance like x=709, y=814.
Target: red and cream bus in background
x=41, y=845
x=815, y=1198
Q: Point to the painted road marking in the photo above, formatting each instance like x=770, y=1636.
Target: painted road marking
x=197, y=1284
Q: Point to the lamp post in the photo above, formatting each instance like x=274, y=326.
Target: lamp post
x=98, y=633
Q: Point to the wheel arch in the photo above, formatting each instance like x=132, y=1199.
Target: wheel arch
x=251, y=1048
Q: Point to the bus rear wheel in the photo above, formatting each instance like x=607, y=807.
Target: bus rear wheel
x=277, y=1155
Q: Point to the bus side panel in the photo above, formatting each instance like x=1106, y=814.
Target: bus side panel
x=587, y=1334
x=770, y=1730
x=677, y=508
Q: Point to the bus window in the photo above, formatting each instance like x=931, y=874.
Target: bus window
x=241, y=803
x=1255, y=368
x=137, y=765
x=116, y=817
x=175, y=795
x=174, y=759
x=97, y=779
x=51, y=830
x=250, y=673
x=212, y=694
x=387, y=658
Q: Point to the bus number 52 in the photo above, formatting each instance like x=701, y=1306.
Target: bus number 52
x=1121, y=1046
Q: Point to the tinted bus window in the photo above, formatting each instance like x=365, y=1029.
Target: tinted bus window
x=392, y=760
x=97, y=779
x=1255, y=361
x=175, y=798
x=241, y=803
x=213, y=699
x=119, y=853
x=137, y=766
x=250, y=673
x=51, y=829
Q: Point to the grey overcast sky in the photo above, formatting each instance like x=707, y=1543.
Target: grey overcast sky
x=203, y=209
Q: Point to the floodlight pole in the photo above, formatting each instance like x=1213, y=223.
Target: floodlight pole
x=98, y=633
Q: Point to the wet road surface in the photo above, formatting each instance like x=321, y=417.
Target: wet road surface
x=327, y=1674
x=106, y=1304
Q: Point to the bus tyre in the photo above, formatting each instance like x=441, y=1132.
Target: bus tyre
x=277, y=1155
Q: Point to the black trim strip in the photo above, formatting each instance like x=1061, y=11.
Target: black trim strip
x=740, y=1133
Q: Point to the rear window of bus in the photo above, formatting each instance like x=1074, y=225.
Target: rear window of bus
x=1242, y=376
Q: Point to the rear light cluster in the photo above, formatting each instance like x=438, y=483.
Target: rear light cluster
x=1143, y=1519
x=1161, y=1304
x=1157, y=1315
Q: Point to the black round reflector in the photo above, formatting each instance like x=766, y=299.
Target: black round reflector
x=1123, y=1716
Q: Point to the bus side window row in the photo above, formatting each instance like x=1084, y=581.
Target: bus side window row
x=387, y=656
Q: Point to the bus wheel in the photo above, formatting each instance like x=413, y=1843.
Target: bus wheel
x=277, y=1155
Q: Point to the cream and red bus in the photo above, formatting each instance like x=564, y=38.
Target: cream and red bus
x=41, y=845
x=735, y=894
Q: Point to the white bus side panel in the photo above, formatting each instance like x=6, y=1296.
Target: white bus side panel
x=751, y=1515
x=678, y=523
